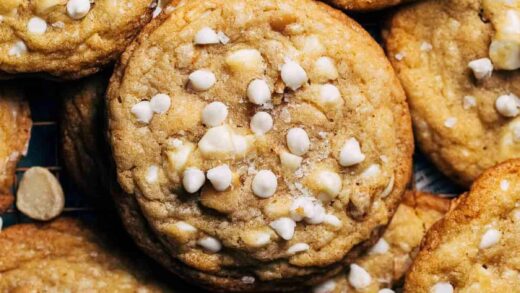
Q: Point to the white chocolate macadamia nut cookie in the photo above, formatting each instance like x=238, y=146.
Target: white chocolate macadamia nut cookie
x=67, y=39
x=459, y=63
x=474, y=248
x=251, y=151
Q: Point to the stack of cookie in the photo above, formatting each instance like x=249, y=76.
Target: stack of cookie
x=264, y=146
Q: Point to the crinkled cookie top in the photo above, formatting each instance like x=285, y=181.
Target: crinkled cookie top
x=262, y=139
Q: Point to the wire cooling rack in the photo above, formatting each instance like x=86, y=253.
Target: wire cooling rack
x=44, y=148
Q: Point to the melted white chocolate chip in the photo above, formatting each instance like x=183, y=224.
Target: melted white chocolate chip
x=290, y=161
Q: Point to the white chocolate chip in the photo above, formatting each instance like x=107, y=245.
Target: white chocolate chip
x=388, y=189
x=371, y=172
x=380, y=247
x=293, y=75
x=77, y=9
x=261, y=123
x=211, y=244
x=245, y=60
x=143, y=112
x=37, y=26
x=332, y=220
x=18, y=49
x=152, y=174
x=442, y=287
x=206, y=36
x=328, y=184
x=426, y=47
x=290, y=161
x=258, y=92
x=220, y=177
x=330, y=95
x=264, y=184
x=324, y=66
x=512, y=23
x=508, y=105
x=284, y=227
x=298, y=141
x=350, y=153
x=469, y=102
x=202, y=79
x=256, y=238
x=214, y=114
x=504, y=185
x=358, y=277
x=302, y=207
x=221, y=142
x=160, y=103
x=490, y=238
x=297, y=248
x=450, y=122
x=327, y=287
x=386, y=290
x=193, y=179
x=248, y=280
x=481, y=68
x=185, y=227
x=318, y=214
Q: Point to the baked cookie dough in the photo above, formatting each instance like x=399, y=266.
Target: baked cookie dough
x=386, y=263
x=365, y=5
x=474, y=248
x=15, y=131
x=459, y=64
x=65, y=255
x=264, y=142
x=67, y=39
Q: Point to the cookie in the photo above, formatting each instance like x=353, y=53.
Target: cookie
x=386, y=263
x=459, y=64
x=15, y=131
x=474, y=248
x=263, y=143
x=67, y=255
x=365, y=5
x=84, y=146
x=67, y=39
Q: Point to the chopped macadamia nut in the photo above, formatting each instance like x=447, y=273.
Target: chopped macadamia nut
x=77, y=9
x=152, y=174
x=264, y=184
x=160, y=103
x=202, y=80
x=508, y=105
x=442, y=287
x=206, y=36
x=293, y=75
x=490, y=238
x=298, y=141
x=505, y=54
x=258, y=92
x=245, y=60
x=284, y=227
x=211, y=244
x=220, y=177
x=297, y=248
x=256, y=238
x=143, y=112
x=185, y=227
x=180, y=155
x=371, y=172
x=481, y=68
x=220, y=142
x=358, y=277
x=193, y=179
x=328, y=184
x=290, y=161
x=325, y=68
x=350, y=153
x=261, y=123
x=37, y=26
x=214, y=114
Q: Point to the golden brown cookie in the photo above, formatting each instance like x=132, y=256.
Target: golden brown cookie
x=459, y=64
x=365, y=5
x=67, y=255
x=475, y=247
x=67, y=39
x=15, y=131
x=262, y=142
x=385, y=264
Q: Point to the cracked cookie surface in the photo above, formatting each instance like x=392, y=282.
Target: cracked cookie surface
x=261, y=151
